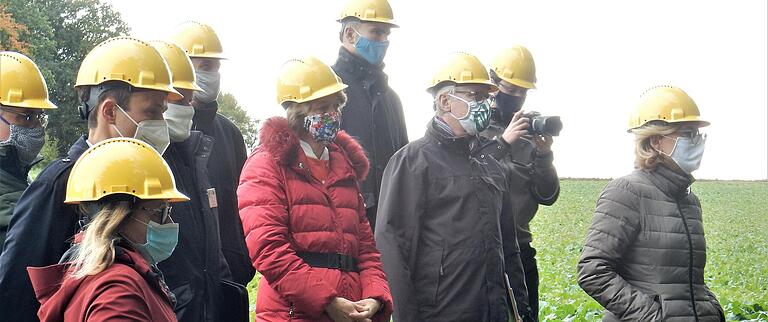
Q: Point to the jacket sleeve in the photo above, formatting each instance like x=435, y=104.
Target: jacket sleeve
x=546, y=184
x=397, y=229
x=372, y=277
x=615, y=226
x=513, y=264
x=38, y=235
x=118, y=299
x=264, y=213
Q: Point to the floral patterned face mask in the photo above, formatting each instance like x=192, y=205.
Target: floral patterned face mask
x=323, y=127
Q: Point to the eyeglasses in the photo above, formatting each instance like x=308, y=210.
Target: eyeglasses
x=695, y=136
x=41, y=117
x=475, y=96
x=164, y=212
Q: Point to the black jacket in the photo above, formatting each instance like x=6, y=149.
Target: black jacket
x=373, y=115
x=39, y=233
x=533, y=181
x=439, y=234
x=13, y=182
x=43, y=226
x=224, y=168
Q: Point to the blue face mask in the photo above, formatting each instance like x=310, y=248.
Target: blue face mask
x=372, y=51
x=161, y=240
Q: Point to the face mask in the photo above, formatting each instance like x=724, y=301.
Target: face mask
x=161, y=240
x=507, y=105
x=210, y=83
x=179, y=119
x=153, y=132
x=478, y=116
x=323, y=127
x=372, y=51
x=688, y=154
x=28, y=142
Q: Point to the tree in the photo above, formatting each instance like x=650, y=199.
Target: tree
x=60, y=34
x=229, y=107
x=10, y=31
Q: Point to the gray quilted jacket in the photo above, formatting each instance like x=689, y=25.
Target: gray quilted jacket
x=644, y=255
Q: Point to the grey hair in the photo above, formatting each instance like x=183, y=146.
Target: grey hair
x=296, y=112
x=646, y=156
x=349, y=22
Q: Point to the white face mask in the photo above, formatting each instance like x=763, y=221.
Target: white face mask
x=210, y=82
x=153, y=132
x=179, y=119
x=688, y=152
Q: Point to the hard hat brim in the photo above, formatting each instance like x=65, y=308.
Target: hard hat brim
x=691, y=119
x=206, y=55
x=33, y=103
x=335, y=88
x=493, y=87
x=187, y=85
x=171, y=196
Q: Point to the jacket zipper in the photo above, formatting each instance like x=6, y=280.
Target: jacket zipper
x=291, y=311
x=690, y=261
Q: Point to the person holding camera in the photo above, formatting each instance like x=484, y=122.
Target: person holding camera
x=529, y=170
x=441, y=200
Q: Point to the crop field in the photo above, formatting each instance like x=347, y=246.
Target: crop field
x=736, y=224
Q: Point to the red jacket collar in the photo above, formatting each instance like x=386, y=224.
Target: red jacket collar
x=278, y=139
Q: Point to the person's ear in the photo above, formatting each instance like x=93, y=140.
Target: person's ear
x=656, y=142
x=349, y=35
x=108, y=110
x=444, y=102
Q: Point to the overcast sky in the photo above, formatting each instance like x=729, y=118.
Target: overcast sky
x=593, y=60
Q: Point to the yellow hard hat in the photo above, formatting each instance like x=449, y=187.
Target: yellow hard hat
x=182, y=71
x=121, y=166
x=369, y=11
x=21, y=83
x=303, y=80
x=461, y=68
x=127, y=60
x=515, y=65
x=665, y=103
x=198, y=40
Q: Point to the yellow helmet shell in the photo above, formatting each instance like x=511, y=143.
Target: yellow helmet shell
x=182, y=71
x=126, y=60
x=198, y=40
x=21, y=83
x=304, y=80
x=665, y=103
x=461, y=68
x=515, y=65
x=369, y=11
x=121, y=166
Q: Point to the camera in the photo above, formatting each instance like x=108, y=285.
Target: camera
x=543, y=125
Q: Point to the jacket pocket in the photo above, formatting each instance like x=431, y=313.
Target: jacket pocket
x=184, y=295
x=428, y=277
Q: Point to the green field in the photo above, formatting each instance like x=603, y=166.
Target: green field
x=736, y=223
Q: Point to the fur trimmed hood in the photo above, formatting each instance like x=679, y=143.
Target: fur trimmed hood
x=278, y=139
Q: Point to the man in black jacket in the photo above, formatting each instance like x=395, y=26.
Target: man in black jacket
x=442, y=198
x=43, y=226
x=373, y=114
x=228, y=156
x=529, y=167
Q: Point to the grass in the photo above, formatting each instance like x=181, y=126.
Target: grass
x=736, y=226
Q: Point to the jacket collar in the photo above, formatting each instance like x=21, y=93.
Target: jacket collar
x=358, y=66
x=204, y=116
x=278, y=139
x=77, y=149
x=672, y=182
x=454, y=143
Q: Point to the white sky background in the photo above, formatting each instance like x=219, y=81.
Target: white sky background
x=593, y=60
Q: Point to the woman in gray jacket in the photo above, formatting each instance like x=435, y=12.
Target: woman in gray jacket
x=644, y=255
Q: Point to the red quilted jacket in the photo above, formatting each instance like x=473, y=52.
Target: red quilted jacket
x=285, y=210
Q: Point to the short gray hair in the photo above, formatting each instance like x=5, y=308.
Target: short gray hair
x=445, y=89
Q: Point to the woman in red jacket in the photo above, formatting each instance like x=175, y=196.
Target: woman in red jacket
x=123, y=187
x=302, y=212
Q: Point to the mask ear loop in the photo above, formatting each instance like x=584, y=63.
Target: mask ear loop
x=673, y=148
x=463, y=100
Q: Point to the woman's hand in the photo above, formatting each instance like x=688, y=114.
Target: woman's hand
x=516, y=128
x=366, y=309
x=341, y=309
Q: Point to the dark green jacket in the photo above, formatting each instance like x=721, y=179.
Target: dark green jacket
x=644, y=255
x=13, y=181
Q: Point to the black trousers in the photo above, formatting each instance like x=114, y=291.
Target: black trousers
x=528, y=257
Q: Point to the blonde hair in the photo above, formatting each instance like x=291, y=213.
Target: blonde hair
x=296, y=112
x=96, y=252
x=646, y=157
